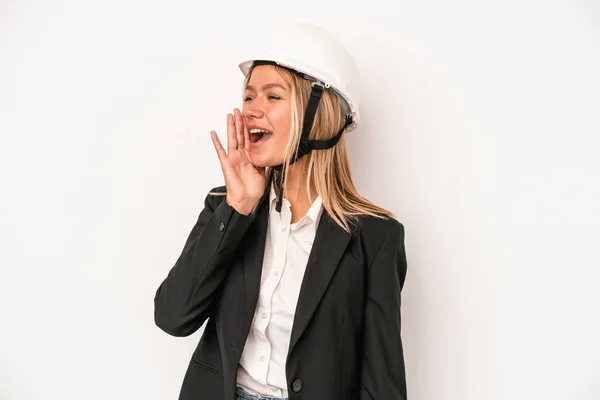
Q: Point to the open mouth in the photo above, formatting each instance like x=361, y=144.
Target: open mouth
x=259, y=135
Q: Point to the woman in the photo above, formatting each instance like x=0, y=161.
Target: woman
x=298, y=276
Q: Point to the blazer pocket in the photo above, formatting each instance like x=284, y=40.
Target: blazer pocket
x=205, y=366
x=201, y=382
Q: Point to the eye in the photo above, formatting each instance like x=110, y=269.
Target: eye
x=273, y=97
x=247, y=99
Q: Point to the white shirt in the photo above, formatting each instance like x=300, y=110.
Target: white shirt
x=262, y=364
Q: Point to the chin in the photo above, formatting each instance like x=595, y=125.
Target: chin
x=263, y=162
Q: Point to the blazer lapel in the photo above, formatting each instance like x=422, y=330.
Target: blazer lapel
x=328, y=248
x=253, y=260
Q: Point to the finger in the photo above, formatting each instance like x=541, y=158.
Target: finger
x=231, y=135
x=239, y=127
x=219, y=148
x=246, y=136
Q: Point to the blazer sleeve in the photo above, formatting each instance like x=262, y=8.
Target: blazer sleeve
x=183, y=300
x=382, y=371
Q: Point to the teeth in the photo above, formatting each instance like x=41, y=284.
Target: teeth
x=258, y=131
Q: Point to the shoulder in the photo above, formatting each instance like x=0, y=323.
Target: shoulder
x=374, y=233
x=215, y=197
x=219, y=190
x=370, y=226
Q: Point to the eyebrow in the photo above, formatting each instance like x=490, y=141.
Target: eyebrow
x=267, y=86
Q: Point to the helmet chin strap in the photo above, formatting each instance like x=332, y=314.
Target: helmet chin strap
x=305, y=146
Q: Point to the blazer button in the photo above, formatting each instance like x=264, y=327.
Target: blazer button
x=221, y=227
x=297, y=386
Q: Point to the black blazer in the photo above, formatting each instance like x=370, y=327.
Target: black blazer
x=345, y=341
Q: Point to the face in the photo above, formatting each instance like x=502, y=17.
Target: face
x=267, y=111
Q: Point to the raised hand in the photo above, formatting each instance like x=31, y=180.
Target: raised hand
x=245, y=182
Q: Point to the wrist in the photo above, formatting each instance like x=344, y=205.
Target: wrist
x=244, y=207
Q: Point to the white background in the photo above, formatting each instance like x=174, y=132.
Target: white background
x=480, y=131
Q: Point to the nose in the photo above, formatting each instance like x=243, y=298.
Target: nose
x=253, y=110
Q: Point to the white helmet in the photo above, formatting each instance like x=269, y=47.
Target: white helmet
x=316, y=54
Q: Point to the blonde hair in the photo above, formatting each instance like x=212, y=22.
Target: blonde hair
x=328, y=169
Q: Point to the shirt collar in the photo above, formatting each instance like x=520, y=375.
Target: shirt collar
x=314, y=212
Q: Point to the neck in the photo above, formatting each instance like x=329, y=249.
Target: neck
x=296, y=192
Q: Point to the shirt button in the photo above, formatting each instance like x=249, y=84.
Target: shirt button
x=262, y=358
x=297, y=386
x=221, y=227
x=283, y=229
x=264, y=315
x=276, y=273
